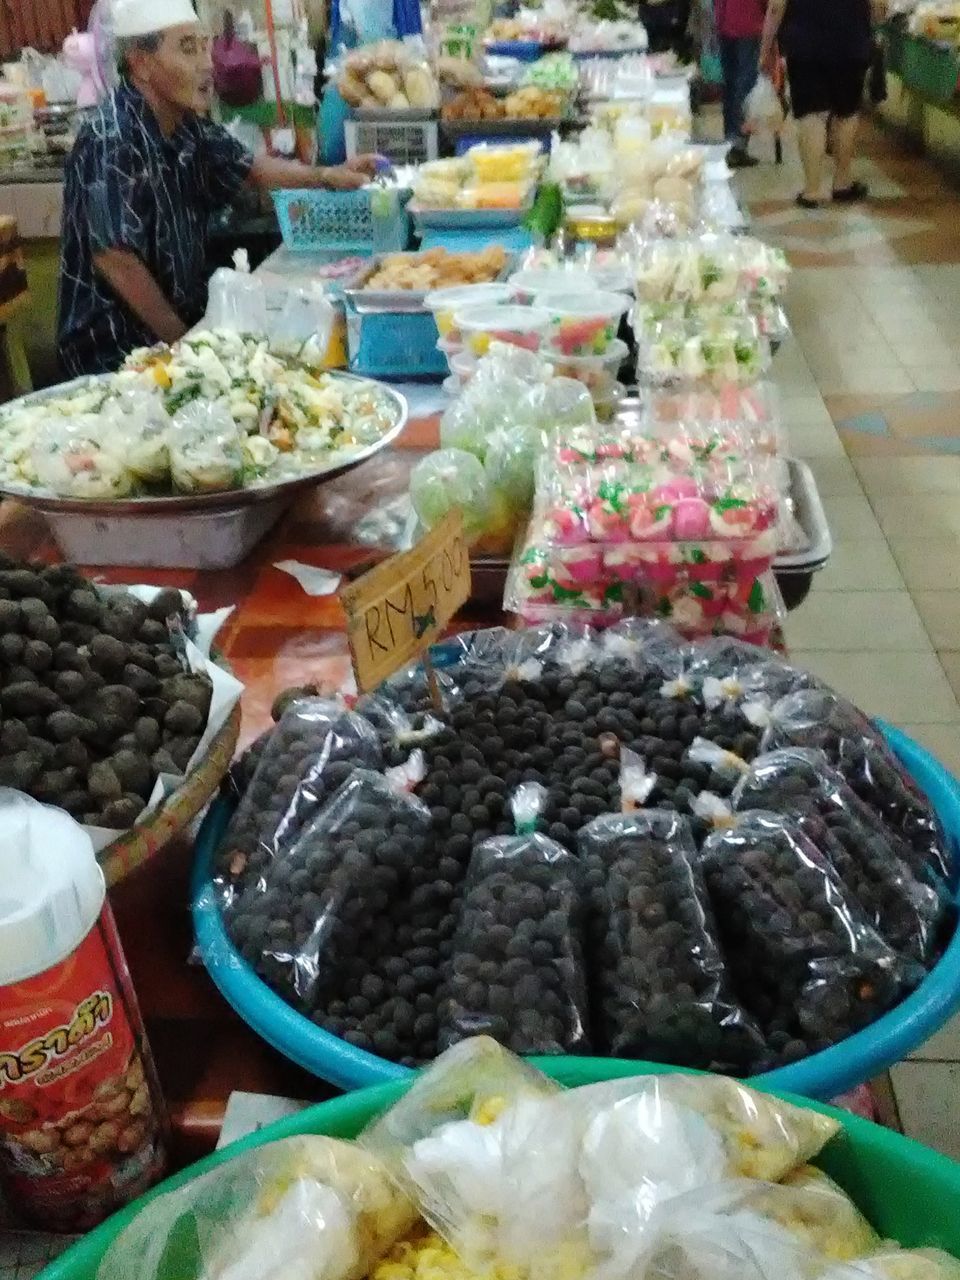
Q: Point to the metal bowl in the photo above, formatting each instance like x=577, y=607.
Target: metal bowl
x=227, y=499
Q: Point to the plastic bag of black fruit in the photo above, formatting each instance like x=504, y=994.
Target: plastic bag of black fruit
x=557, y=708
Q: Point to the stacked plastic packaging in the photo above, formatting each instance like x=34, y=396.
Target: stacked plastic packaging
x=680, y=524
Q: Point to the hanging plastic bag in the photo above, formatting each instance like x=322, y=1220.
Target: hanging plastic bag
x=517, y=969
x=307, y=1207
x=303, y=327
x=804, y=957
x=909, y=915
x=663, y=987
x=763, y=110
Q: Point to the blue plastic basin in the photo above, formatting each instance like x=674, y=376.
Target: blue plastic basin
x=823, y=1075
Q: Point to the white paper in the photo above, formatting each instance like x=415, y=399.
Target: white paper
x=226, y=692
x=250, y=1112
x=315, y=581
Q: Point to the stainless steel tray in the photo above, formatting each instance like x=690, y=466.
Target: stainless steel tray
x=229, y=499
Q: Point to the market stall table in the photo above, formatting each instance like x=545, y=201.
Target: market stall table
x=278, y=636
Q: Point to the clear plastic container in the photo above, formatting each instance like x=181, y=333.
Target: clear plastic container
x=597, y=373
x=516, y=162
x=444, y=303
x=583, y=324
x=524, y=327
x=526, y=285
x=463, y=366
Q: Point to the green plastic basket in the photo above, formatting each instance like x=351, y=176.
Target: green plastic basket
x=907, y=1192
x=931, y=70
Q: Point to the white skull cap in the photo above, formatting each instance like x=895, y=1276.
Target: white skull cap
x=143, y=17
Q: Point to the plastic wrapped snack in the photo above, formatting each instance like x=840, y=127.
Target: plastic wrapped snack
x=138, y=422
x=663, y=990
x=325, y=908
x=305, y=1208
x=908, y=914
x=823, y=1214
x=649, y=1143
x=804, y=957
x=76, y=458
x=451, y=478
x=206, y=449
x=489, y=1158
x=823, y=720
x=313, y=750
x=510, y=463
x=517, y=970
x=708, y=351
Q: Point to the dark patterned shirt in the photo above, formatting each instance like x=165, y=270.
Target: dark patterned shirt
x=129, y=187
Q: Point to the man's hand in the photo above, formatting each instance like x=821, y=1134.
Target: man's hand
x=365, y=164
x=768, y=61
x=340, y=178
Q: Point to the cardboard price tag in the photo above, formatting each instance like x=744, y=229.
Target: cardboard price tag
x=401, y=607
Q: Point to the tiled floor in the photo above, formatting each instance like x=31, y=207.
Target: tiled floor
x=871, y=397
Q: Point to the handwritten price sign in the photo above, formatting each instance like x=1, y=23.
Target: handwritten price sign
x=401, y=607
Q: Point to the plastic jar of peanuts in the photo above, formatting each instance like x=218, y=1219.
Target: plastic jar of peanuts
x=81, y=1118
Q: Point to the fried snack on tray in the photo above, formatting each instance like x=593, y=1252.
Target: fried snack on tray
x=436, y=268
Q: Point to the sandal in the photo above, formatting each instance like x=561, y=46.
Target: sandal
x=849, y=195
x=806, y=203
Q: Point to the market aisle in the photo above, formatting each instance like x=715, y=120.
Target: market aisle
x=871, y=386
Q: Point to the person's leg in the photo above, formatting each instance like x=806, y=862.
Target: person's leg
x=843, y=138
x=812, y=137
x=742, y=59
x=728, y=64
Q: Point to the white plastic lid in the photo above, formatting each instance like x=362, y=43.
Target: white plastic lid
x=51, y=887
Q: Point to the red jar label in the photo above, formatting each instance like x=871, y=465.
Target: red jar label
x=80, y=1117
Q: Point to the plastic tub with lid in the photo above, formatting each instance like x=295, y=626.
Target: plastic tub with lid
x=583, y=324
x=526, y=286
x=524, y=327
x=597, y=373
x=445, y=303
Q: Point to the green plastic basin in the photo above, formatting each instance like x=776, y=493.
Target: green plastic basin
x=908, y=1192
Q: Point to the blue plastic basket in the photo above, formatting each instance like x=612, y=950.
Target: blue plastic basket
x=823, y=1075
x=367, y=221
x=395, y=344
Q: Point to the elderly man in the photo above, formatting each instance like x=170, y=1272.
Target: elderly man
x=146, y=173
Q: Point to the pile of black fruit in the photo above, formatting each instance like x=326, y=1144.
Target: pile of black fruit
x=558, y=715
x=804, y=957
x=662, y=987
x=517, y=969
x=910, y=914
x=95, y=699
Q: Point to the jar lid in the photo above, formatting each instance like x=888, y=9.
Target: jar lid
x=51, y=887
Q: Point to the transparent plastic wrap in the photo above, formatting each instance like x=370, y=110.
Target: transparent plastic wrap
x=754, y=410
x=309, y=755
x=651, y=1143
x=804, y=957
x=910, y=915
x=481, y=1146
x=138, y=425
x=237, y=300
x=206, y=449
x=303, y=326
x=823, y=720
x=325, y=909
x=517, y=969
x=702, y=351
x=306, y=1207
x=710, y=267
x=451, y=478
x=661, y=978
x=76, y=458
x=511, y=461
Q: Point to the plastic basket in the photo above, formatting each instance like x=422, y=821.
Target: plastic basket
x=342, y=222
x=395, y=344
x=907, y=1192
x=822, y=1075
x=931, y=70
x=401, y=141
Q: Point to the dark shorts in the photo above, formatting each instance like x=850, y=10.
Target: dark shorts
x=832, y=88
